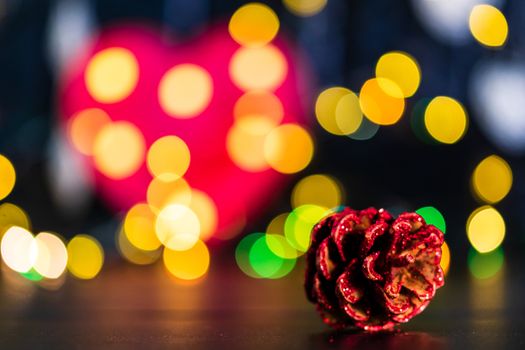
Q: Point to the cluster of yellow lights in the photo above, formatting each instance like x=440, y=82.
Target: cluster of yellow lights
x=446, y=119
x=305, y=8
x=257, y=140
x=485, y=229
x=488, y=25
x=492, y=179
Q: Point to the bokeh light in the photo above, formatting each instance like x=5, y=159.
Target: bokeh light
x=492, y=179
x=260, y=104
x=242, y=254
x=13, y=215
x=318, y=189
x=445, y=258
x=206, y=211
x=258, y=68
x=288, y=148
x=189, y=264
x=276, y=225
x=254, y=24
x=185, y=91
x=485, y=229
x=7, y=177
x=305, y=8
x=177, y=227
x=279, y=246
x=434, y=217
x=446, y=119
x=52, y=256
x=382, y=101
x=265, y=262
x=111, y=75
x=485, y=265
x=19, y=249
x=119, y=150
x=325, y=110
x=160, y=193
x=84, y=127
x=299, y=224
x=245, y=142
x=168, y=158
x=402, y=69
x=139, y=227
x=133, y=254
x=488, y=25
x=85, y=257
x=348, y=115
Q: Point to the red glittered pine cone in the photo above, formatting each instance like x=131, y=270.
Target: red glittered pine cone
x=368, y=270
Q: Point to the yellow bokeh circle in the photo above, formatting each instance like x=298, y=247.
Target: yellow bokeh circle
x=446, y=119
x=177, y=227
x=185, y=91
x=318, y=189
x=254, y=24
x=7, y=177
x=119, y=150
x=52, y=255
x=84, y=127
x=85, y=257
x=485, y=229
x=336, y=112
x=168, y=158
x=445, y=258
x=382, y=101
x=402, y=69
x=13, y=215
x=305, y=8
x=139, y=227
x=190, y=264
x=111, y=75
x=492, y=179
x=288, y=148
x=488, y=25
x=261, y=104
x=161, y=193
x=206, y=211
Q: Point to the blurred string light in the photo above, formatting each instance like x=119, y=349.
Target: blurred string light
x=446, y=119
x=112, y=75
x=133, y=254
x=485, y=265
x=19, y=249
x=382, y=101
x=168, y=158
x=259, y=104
x=337, y=112
x=86, y=257
x=348, y=115
x=84, y=126
x=488, y=25
x=305, y=8
x=254, y=24
x=185, y=91
x=445, y=258
x=177, y=227
x=319, y=189
x=434, y=217
x=485, y=229
x=139, y=227
x=119, y=150
x=162, y=193
x=276, y=240
x=7, y=177
x=299, y=224
x=242, y=254
x=400, y=68
x=13, y=215
x=492, y=179
x=207, y=213
x=52, y=256
x=265, y=262
x=189, y=264
x=258, y=68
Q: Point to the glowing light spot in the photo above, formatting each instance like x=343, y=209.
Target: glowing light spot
x=263, y=261
x=492, y=179
x=279, y=246
x=488, y=25
x=483, y=266
x=259, y=104
x=168, y=158
x=288, y=148
x=51, y=260
x=245, y=142
x=12, y=215
x=112, y=75
x=189, y=264
x=139, y=227
x=299, y=224
x=321, y=190
x=177, y=227
x=381, y=101
x=86, y=257
x=485, y=229
x=162, y=193
x=276, y=226
x=185, y=91
x=305, y=8
x=434, y=217
x=7, y=177
x=84, y=127
x=445, y=258
x=242, y=254
x=402, y=69
x=206, y=211
x=260, y=68
x=446, y=119
x=119, y=150
x=337, y=110
x=133, y=254
x=366, y=131
x=19, y=249
x=254, y=24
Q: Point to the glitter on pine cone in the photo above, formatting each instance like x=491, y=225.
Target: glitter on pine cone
x=368, y=270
